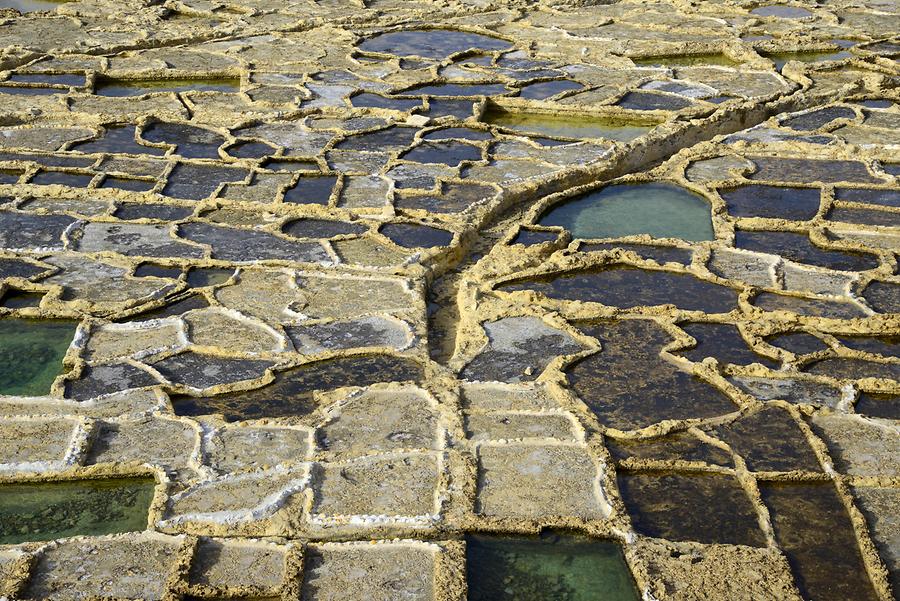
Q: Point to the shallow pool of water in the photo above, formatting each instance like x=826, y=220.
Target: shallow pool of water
x=431, y=43
x=200, y=277
x=61, y=178
x=51, y=510
x=415, y=235
x=21, y=299
x=873, y=404
x=722, y=341
x=772, y=202
x=680, y=446
x=686, y=60
x=548, y=567
x=31, y=354
x=543, y=90
x=30, y=6
x=781, y=11
x=457, y=89
x=799, y=248
x=815, y=532
x=829, y=308
x=781, y=58
x=626, y=287
x=805, y=171
x=629, y=385
x=314, y=189
x=666, y=505
x=189, y=141
x=291, y=393
x=139, y=87
x=770, y=441
x=660, y=210
x=117, y=139
x=568, y=126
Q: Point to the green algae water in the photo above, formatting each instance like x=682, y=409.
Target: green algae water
x=51, y=510
x=31, y=354
x=551, y=567
x=686, y=60
x=568, y=126
x=660, y=210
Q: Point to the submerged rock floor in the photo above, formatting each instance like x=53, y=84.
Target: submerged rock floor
x=293, y=303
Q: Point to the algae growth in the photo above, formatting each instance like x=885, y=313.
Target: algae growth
x=47, y=511
x=33, y=352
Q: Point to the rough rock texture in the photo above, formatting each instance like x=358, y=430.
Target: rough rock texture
x=312, y=293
